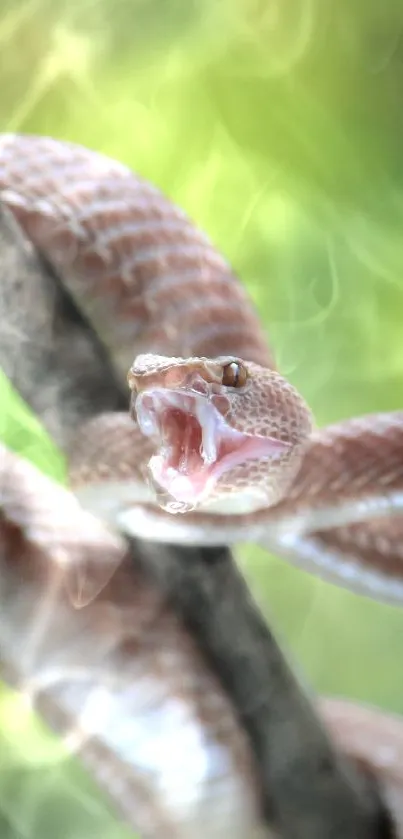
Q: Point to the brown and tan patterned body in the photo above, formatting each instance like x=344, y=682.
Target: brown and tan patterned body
x=145, y=276
x=149, y=282
x=121, y=680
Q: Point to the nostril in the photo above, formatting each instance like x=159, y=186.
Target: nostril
x=198, y=384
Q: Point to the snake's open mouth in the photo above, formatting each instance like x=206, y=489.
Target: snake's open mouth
x=196, y=445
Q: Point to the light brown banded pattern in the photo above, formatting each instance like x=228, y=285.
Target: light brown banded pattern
x=134, y=263
x=343, y=516
x=150, y=282
x=121, y=680
x=126, y=686
x=147, y=280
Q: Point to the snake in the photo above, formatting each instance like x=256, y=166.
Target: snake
x=216, y=447
x=127, y=688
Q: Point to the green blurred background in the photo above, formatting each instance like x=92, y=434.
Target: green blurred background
x=278, y=125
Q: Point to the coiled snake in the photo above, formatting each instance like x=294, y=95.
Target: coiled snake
x=218, y=446
x=219, y=433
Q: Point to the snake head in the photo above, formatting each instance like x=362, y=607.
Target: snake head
x=228, y=434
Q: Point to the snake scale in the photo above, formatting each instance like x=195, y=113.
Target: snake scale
x=218, y=446
x=215, y=432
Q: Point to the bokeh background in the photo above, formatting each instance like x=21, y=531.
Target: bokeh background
x=278, y=125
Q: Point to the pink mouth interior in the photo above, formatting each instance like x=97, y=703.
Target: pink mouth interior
x=196, y=446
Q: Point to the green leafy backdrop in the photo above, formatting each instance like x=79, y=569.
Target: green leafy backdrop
x=278, y=126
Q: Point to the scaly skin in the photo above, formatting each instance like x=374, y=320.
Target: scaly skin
x=149, y=281
x=66, y=200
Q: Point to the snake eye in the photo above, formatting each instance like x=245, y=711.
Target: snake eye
x=234, y=374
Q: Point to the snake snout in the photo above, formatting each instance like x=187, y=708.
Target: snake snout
x=221, y=428
x=195, y=446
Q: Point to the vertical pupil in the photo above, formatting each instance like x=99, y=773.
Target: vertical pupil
x=235, y=373
x=231, y=374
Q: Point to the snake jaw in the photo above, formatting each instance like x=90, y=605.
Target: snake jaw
x=196, y=445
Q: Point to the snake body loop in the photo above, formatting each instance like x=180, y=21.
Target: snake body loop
x=215, y=432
